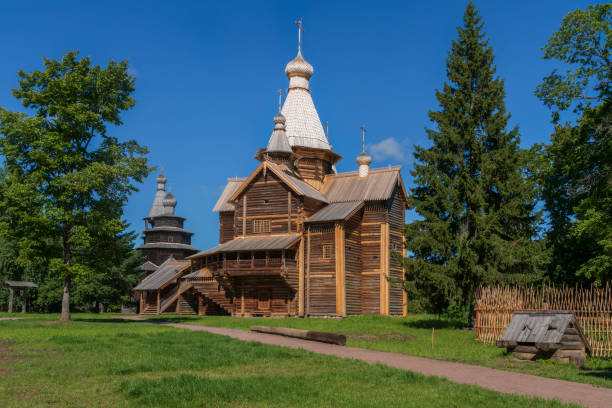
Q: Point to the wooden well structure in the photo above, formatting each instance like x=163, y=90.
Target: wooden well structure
x=546, y=334
x=22, y=286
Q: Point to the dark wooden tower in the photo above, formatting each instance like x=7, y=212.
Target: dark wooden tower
x=164, y=235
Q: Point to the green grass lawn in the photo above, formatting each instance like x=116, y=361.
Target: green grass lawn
x=412, y=335
x=95, y=361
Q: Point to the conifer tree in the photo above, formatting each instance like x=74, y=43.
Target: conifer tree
x=476, y=205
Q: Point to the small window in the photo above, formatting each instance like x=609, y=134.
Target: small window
x=170, y=238
x=266, y=201
x=327, y=251
x=260, y=226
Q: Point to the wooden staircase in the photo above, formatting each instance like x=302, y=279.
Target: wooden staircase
x=216, y=293
x=187, y=304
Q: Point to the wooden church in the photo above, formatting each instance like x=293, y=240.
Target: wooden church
x=296, y=238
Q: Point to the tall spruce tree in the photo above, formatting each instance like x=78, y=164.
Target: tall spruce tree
x=477, y=207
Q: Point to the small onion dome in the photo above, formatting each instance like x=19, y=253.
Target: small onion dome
x=279, y=142
x=169, y=200
x=299, y=67
x=279, y=121
x=364, y=159
x=161, y=179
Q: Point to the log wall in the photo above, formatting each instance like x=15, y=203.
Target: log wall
x=396, y=242
x=374, y=214
x=267, y=198
x=352, y=231
x=226, y=226
x=263, y=295
x=321, y=279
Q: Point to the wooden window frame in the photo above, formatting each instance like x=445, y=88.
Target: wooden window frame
x=327, y=251
x=261, y=226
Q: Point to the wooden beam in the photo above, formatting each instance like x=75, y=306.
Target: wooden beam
x=24, y=299
x=158, y=300
x=288, y=211
x=308, y=274
x=384, y=273
x=301, y=277
x=332, y=338
x=340, y=269
x=10, y=305
x=244, y=212
x=404, y=294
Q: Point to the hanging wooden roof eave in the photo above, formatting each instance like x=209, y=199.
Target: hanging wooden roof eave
x=341, y=212
x=251, y=244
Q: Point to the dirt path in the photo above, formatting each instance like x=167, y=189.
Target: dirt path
x=498, y=380
x=11, y=318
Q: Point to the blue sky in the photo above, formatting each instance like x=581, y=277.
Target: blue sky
x=207, y=75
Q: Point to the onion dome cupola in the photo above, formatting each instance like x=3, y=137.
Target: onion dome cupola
x=157, y=208
x=169, y=203
x=303, y=126
x=363, y=160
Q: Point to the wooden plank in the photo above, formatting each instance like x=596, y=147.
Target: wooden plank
x=332, y=338
x=301, y=277
x=244, y=212
x=340, y=270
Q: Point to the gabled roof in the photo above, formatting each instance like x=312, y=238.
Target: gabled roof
x=377, y=186
x=336, y=211
x=148, y=266
x=167, y=245
x=252, y=243
x=298, y=186
x=167, y=272
x=20, y=284
x=223, y=203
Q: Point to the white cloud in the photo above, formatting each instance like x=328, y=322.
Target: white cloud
x=389, y=148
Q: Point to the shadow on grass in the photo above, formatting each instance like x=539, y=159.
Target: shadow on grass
x=605, y=373
x=436, y=324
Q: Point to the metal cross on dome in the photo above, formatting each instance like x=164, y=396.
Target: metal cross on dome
x=280, y=100
x=363, y=131
x=298, y=23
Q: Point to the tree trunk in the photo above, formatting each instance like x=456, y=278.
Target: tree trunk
x=10, y=305
x=24, y=300
x=66, y=301
x=67, y=259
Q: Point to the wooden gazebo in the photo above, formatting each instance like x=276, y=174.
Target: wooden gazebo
x=22, y=286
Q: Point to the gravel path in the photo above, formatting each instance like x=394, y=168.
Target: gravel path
x=498, y=380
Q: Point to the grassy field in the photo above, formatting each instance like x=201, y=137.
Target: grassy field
x=94, y=361
x=412, y=335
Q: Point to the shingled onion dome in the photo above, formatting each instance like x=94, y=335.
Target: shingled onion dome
x=161, y=181
x=299, y=67
x=169, y=203
x=279, y=143
x=364, y=160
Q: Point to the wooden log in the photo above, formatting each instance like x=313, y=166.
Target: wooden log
x=571, y=330
x=547, y=347
x=333, y=338
x=10, y=304
x=525, y=349
x=506, y=343
x=572, y=345
x=575, y=357
x=524, y=356
x=570, y=338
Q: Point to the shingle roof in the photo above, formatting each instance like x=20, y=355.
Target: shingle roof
x=232, y=185
x=258, y=243
x=166, y=272
x=303, y=124
x=167, y=245
x=148, y=266
x=20, y=284
x=336, y=211
x=378, y=185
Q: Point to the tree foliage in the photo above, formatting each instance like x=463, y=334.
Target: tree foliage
x=577, y=176
x=67, y=178
x=584, y=41
x=477, y=205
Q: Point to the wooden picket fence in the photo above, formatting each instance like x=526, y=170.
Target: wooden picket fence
x=495, y=306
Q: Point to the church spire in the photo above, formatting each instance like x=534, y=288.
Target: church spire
x=363, y=160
